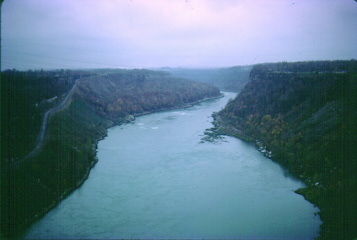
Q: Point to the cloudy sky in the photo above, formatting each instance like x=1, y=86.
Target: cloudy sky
x=176, y=33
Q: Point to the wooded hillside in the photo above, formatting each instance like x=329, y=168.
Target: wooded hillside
x=303, y=115
x=25, y=96
x=30, y=188
x=138, y=91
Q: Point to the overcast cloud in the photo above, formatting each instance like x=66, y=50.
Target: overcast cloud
x=177, y=33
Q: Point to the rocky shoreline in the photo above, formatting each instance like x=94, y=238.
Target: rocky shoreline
x=223, y=128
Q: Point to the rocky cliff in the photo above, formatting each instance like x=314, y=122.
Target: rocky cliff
x=302, y=115
x=131, y=92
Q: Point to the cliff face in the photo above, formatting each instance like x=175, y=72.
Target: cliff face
x=303, y=115
x=138, y=91
x=30, y=189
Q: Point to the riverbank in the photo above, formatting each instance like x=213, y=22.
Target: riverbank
x=187, y=105
x=76, y=113
x=312, y=192
x=304, y=120
x=155, y=180
x=63, y=165
x=70, y=142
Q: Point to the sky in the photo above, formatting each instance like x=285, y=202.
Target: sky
x=71, y=34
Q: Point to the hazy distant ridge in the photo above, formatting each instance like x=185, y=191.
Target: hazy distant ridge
x=231, y=79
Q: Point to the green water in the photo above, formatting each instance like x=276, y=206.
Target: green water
x=156, y=179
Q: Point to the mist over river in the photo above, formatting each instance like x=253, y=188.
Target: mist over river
x=155, y=178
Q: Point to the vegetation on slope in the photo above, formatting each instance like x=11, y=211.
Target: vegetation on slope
x=25, y=96
x=133, y=92
x=31, y=189
x=303, y=116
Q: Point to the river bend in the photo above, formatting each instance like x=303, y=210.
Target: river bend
x=155, y=178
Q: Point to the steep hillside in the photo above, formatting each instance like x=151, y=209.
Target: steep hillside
x=132, y=92
x=231, y=79
x=303, y=115
x=25, y=96
x=30, y=189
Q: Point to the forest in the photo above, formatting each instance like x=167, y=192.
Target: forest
x=25, y=96
x=302, y=115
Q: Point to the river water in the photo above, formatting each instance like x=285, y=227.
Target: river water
x=156, y=179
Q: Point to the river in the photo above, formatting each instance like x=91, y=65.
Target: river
x=156, y=178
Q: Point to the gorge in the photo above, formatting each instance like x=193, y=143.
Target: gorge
x=301, y=115
x=157, y=178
